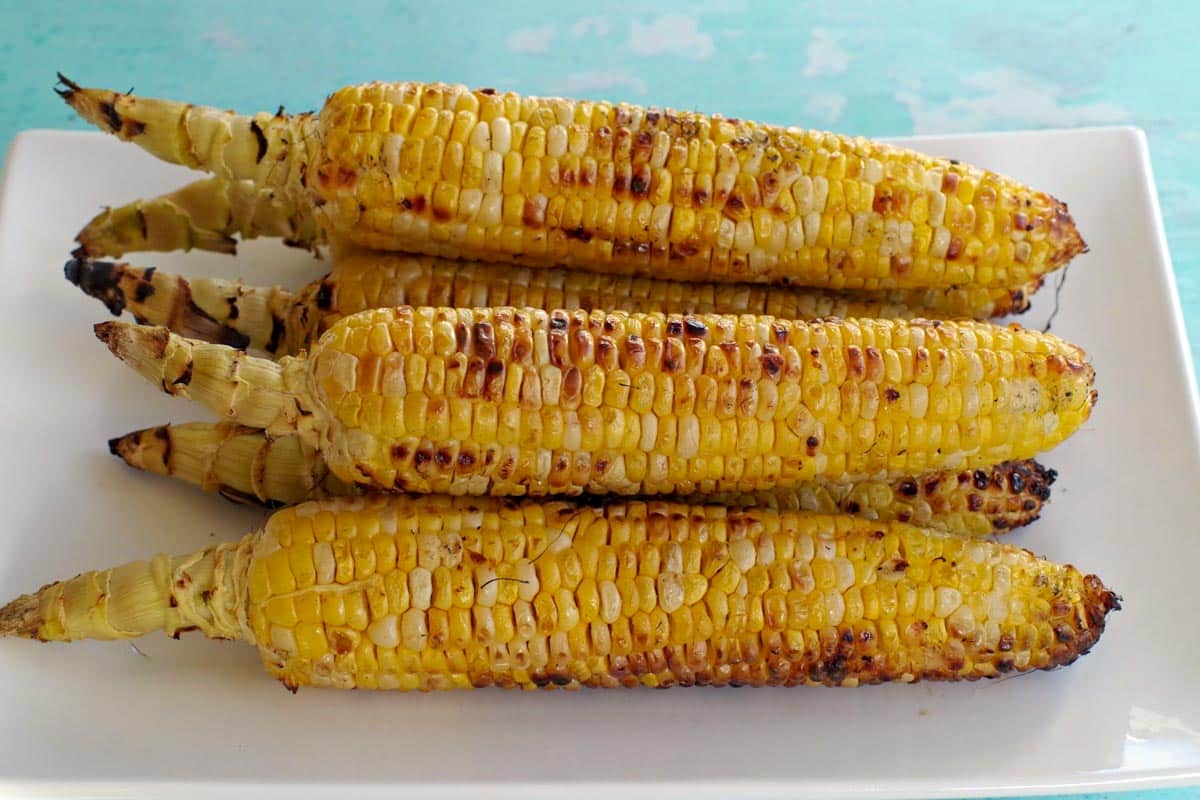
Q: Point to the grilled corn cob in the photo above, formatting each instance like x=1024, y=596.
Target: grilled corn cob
x=248, y=466
x=442, y=170
x=440, y=593
x=283, y=322
x=510, y=401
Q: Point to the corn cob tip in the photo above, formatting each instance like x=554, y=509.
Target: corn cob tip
x=109, y=333
x=66, y=88
x=1098, y=602
x=99, y=107
x=1100, y=599
x=148, y=449
x=22, y=617
x=98, y=279
x=129, y=341
x=74, y=269
x=1064, y=230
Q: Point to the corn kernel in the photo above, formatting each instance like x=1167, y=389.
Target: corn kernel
x=310, y=640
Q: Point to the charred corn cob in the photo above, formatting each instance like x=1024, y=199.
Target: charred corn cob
x=248, y=466
x=283, y=322
x=515, y=401
x=440, y=593
x=203, y=215
x=442, y=170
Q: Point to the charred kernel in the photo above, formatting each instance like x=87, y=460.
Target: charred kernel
x=772, y=364
x=485, y=344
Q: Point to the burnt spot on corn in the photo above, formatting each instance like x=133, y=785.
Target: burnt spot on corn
x=341, y=642
x=578, y=233
x=98, y=279
x=772, y=362
x=144, y=289
x=111, y=115
x=485, y=341
x=116, y=446
x=185, y=377
x=261, y=139
x=639, y=186
x=908, y=488
x=277, y=333
x=324, y=296
x=521, y=350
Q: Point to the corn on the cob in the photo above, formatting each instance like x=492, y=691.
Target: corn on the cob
x=443, y=170
x=283, y=322
x=203, y=215
x=515, y=401
x=248, y=466
x=439, y=593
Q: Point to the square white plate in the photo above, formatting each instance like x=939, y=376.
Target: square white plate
x=201, y=719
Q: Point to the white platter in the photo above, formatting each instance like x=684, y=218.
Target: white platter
x=201, y=719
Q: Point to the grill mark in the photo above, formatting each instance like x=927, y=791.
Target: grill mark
x=277, y=331
x=111, y=116
x=261, y=138
x=164, y=435
x=185, y=378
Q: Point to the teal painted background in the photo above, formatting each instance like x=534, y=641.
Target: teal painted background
x=862, y=67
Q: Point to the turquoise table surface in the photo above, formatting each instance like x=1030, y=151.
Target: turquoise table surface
x=864, y=67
